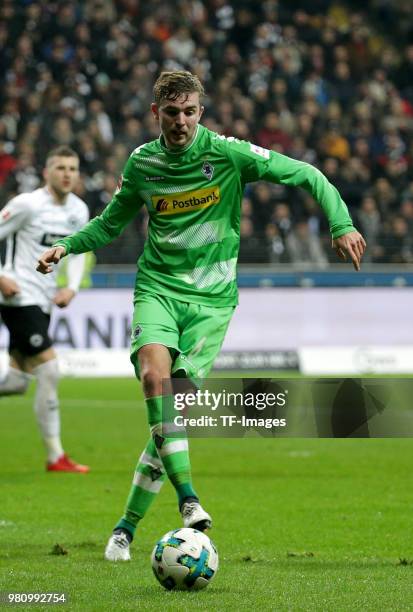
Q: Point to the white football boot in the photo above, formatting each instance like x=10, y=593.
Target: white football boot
x=117, y=548
x=195, y=516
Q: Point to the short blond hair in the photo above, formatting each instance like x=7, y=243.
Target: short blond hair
x=61, y=151
x=172, y=85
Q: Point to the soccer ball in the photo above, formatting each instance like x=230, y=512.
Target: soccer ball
x=184, y=559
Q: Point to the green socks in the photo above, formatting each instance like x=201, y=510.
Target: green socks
x=165, y=454
x=171, y=443
x=147, y=482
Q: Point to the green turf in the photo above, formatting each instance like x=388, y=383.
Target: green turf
x=299, y=524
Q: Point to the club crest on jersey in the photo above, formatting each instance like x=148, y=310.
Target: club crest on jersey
x=207, y=170
x=137, y=331
x=72, y=221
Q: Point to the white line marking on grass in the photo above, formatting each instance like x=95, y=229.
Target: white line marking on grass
x=95, y=403
x=304, y=454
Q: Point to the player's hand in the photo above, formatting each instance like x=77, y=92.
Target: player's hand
x=350, y=245
x=63, y=297
x=49, y=257
x=8, y=287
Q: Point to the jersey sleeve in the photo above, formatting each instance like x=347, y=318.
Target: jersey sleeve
x=255, y=163
x=120, y=211
x=82, y=217
x=75, y=269
x=76, y=263
x=14, y=215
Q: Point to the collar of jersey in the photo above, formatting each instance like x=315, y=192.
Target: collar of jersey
x=180, y=151
x=53, y=201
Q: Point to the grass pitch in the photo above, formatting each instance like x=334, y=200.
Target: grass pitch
x=299, y=524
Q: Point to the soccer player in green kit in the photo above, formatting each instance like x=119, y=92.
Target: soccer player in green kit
x=191, y=180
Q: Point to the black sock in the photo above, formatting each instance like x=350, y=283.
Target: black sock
x=127, y=533
x=187, y=500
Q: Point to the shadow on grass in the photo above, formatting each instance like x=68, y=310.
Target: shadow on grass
x=19, y=476
x=313, y=562
x=210, y=591
x=50, y=551
x=87, y=545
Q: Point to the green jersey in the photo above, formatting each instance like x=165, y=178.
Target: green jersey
x=193, y=197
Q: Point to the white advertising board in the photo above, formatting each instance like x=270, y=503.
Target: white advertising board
x=366, y=329
x=347, y=360
x=269, y=319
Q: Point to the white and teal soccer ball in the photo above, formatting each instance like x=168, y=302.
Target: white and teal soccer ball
x=184, y=560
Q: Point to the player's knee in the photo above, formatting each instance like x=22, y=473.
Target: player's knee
x=47, y=373
x=151, y=379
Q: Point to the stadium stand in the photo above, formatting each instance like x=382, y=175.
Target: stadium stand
x=327, y=82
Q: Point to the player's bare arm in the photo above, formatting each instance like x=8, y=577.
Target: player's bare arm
x=8, y=287
x=350, y=245
x=49, y=257
x=63, y=297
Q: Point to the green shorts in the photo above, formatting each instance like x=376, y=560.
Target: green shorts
x=193, y=333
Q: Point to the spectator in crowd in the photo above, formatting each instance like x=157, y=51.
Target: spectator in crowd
x=406, y=211
x=275, y=244
x=305, y=248
x=24, y=177
x=251, y=250
x=369, y=221
x=262, y=204
x=281, y=217
x=385, y=195
x=7, y=162
x=271, y=135
x=398, y=245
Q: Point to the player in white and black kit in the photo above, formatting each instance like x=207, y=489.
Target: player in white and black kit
x=31, y=222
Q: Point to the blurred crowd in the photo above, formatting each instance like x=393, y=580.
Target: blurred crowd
x=328, y=82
